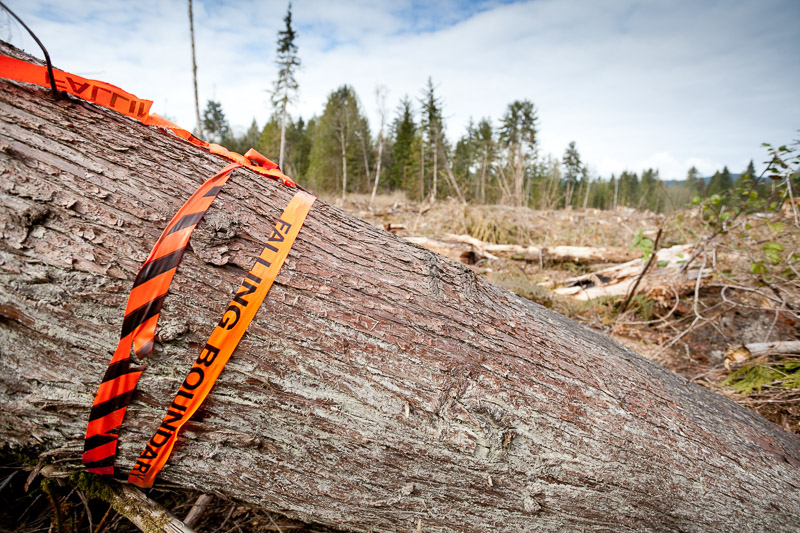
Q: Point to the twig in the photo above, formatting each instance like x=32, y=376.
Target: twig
x=269, y=515
x=678, y=337
x=721, y=226
x=791, y=199
x=227, y=517
x=663, y=318
x=726, y=286
x=646, y=268
x=82, y=496
x=774, y=321
x=197, y=510
x=131, y=503
x=8, y=479
x=697, y=288
x=103, y=520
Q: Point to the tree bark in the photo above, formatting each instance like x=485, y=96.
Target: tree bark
x=381, y=386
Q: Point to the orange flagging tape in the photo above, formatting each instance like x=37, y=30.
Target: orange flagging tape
x=112, y=97
x=155, y=277
x=139, y=326
x=223, y=341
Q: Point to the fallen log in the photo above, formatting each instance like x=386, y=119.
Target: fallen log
x=381, y=387
x=463, y=253
x=618, y=280
x=467, y=249
x=550, y=254
x=740, y=353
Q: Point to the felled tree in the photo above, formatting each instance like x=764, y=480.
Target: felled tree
x=380, y=388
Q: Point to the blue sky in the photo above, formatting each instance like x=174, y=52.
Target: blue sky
x=637, y=84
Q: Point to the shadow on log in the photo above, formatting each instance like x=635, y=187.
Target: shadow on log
x=380, y=385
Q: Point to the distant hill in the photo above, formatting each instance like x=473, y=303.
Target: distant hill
x=706, y=179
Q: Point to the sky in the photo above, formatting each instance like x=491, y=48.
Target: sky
x=666, y=84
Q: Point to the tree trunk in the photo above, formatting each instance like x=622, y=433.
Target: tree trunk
x=380, y=96
x=435, y=165
x=448, y=169
x=586, y=197
x=194, y=74
x=283, y=127
x=380, y=388
x=482, y=194
x=343, y=146
x=378, y=165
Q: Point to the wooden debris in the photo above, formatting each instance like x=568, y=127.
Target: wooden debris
x=393, y=228
x=196, y=512
x=741, y=353
x=618, y=280
x=468, y=250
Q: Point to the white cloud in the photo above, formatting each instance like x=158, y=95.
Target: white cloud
x=666, y=84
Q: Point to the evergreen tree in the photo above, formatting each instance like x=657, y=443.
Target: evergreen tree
x=335, y=145
x=299, y=137
x=216, y=125
x=695, y=183
x=613, y=185
x=628, y=188
x=721, y=183
x=269, y=141
x=748, y=181
x=548, y=173
x=650, y=197
x=403, y=172
x=285, y=84
x=432, y=127
x=248, y=140
x=518, y=139
x=486, y=151
x=573, y=171
x=749, y=173
x=464, y=158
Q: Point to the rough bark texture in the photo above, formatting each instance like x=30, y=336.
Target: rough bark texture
x=380, y=386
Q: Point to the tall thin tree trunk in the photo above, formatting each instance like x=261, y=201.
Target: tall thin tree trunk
x=435, y=164
x=519, y=177
x=452, y=179
x=378, y=165
x=367, y=168
x=568, y=198
x=283, y=125
x=344, y=165
x=482, y=196
x=380, y=96
x=194, y=74
x=422, y=171
x=588, y=189
x=616, y=192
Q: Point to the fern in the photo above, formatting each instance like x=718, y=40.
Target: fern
x=754, y=377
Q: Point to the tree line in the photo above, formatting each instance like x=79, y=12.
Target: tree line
x=336, y=153
x=491, y=162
